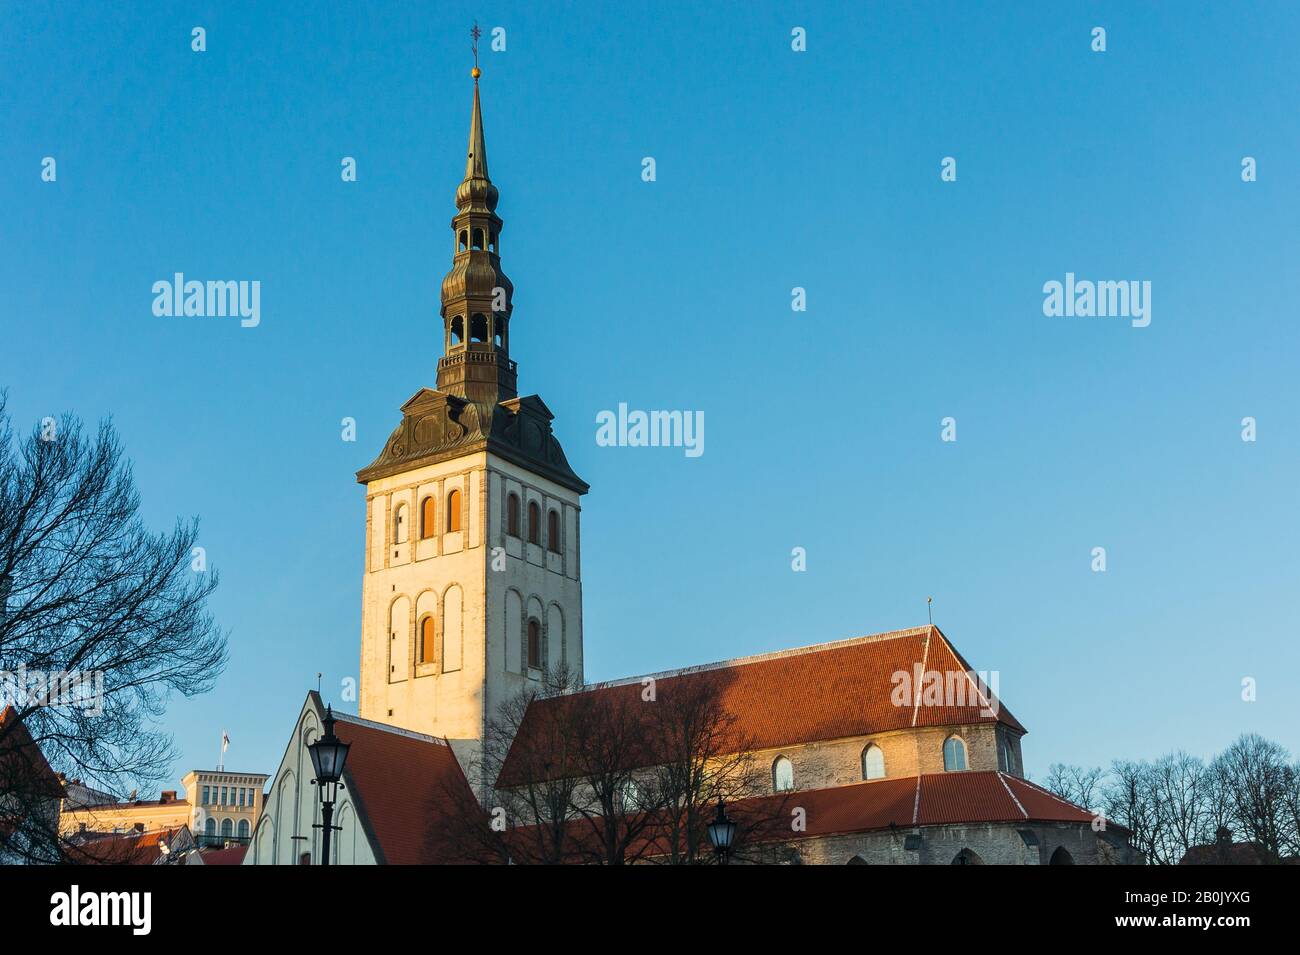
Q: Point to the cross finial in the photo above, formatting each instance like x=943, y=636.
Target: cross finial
x=475, y=33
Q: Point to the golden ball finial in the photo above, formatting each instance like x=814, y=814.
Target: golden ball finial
x=476, y=72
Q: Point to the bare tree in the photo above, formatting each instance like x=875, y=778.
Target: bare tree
x=1080, y=786
x=1130, y=800
x=1181, y=787
x=1254, y=778
x=100, y=619
x=702, y=756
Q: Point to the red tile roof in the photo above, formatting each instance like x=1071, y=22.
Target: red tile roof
x=933, y=799
x=829, y=691
x=128, y=848
x=403, y=785
x=231, y=855
x=906, y=803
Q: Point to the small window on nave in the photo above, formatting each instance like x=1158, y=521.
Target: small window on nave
x=399, y=524
x=873, y=762
x=782, y=775
x=954, y=754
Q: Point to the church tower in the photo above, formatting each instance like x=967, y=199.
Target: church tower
x=472, y=588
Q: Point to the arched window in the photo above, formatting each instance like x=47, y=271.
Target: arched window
x=453, y=510
x=227, y=828
x=427, y=525
x=534, y=523
x=243, y=828
x=1061, y=857
x=512, y=515
x=967, y=857
x=873, y=762
x=478, y=240
x=499, y=332
x=553, y=531
x=210, y=827
x=1004, y=755
x=457, y=330
x=492, y=242
x=782, y=775
x=857, y=860
x=534, y=644
x=629, y=796
x=464, y=239
x=426, y=639
x=399, y=524
x=478, y=328
x=954, y=754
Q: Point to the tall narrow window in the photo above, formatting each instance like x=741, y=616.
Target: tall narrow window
x=427, y=526
x=399, y=524
x=512, y=515
x=243, y=828
x=478, y=328
x=553, y=531
x=873, y=762
x=457, y=330
x=534, y=645
x=534, y=523
x=453, y=510
x=782, y=775
x=426, y=640
x=954, y=754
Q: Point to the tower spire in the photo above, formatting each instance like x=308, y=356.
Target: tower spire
x=476, y=294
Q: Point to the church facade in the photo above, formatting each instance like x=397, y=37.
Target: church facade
x=472, y=594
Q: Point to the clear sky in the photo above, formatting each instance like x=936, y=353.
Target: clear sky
x=775, y=169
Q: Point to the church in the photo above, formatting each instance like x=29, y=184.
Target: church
x=472, y=595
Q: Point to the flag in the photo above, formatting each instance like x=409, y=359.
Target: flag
x=225, y=741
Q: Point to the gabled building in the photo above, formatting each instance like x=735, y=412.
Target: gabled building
x=395, y=787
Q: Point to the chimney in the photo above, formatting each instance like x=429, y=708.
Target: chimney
x=169, y=795
x=138, y=827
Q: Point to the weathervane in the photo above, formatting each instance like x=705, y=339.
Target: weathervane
x=475, y=33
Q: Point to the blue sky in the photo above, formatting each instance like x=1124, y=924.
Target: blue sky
x=775, y=169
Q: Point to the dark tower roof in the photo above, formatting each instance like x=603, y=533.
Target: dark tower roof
x=475, y=405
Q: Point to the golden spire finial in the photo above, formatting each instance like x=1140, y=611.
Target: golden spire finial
x=475, y=34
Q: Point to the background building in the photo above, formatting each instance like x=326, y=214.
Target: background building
x=218, y=807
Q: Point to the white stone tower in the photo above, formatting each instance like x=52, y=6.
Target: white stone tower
x=472, y=585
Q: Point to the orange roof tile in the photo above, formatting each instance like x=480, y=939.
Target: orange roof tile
x=399, y=782
x=823, y=692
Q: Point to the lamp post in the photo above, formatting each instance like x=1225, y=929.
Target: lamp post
x=328, y=754
x=722, y=831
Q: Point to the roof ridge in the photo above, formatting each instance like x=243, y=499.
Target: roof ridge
x=385, y=727
x=761, y=657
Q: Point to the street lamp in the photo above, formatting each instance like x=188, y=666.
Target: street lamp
x=328, y=754
x=722, y=831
